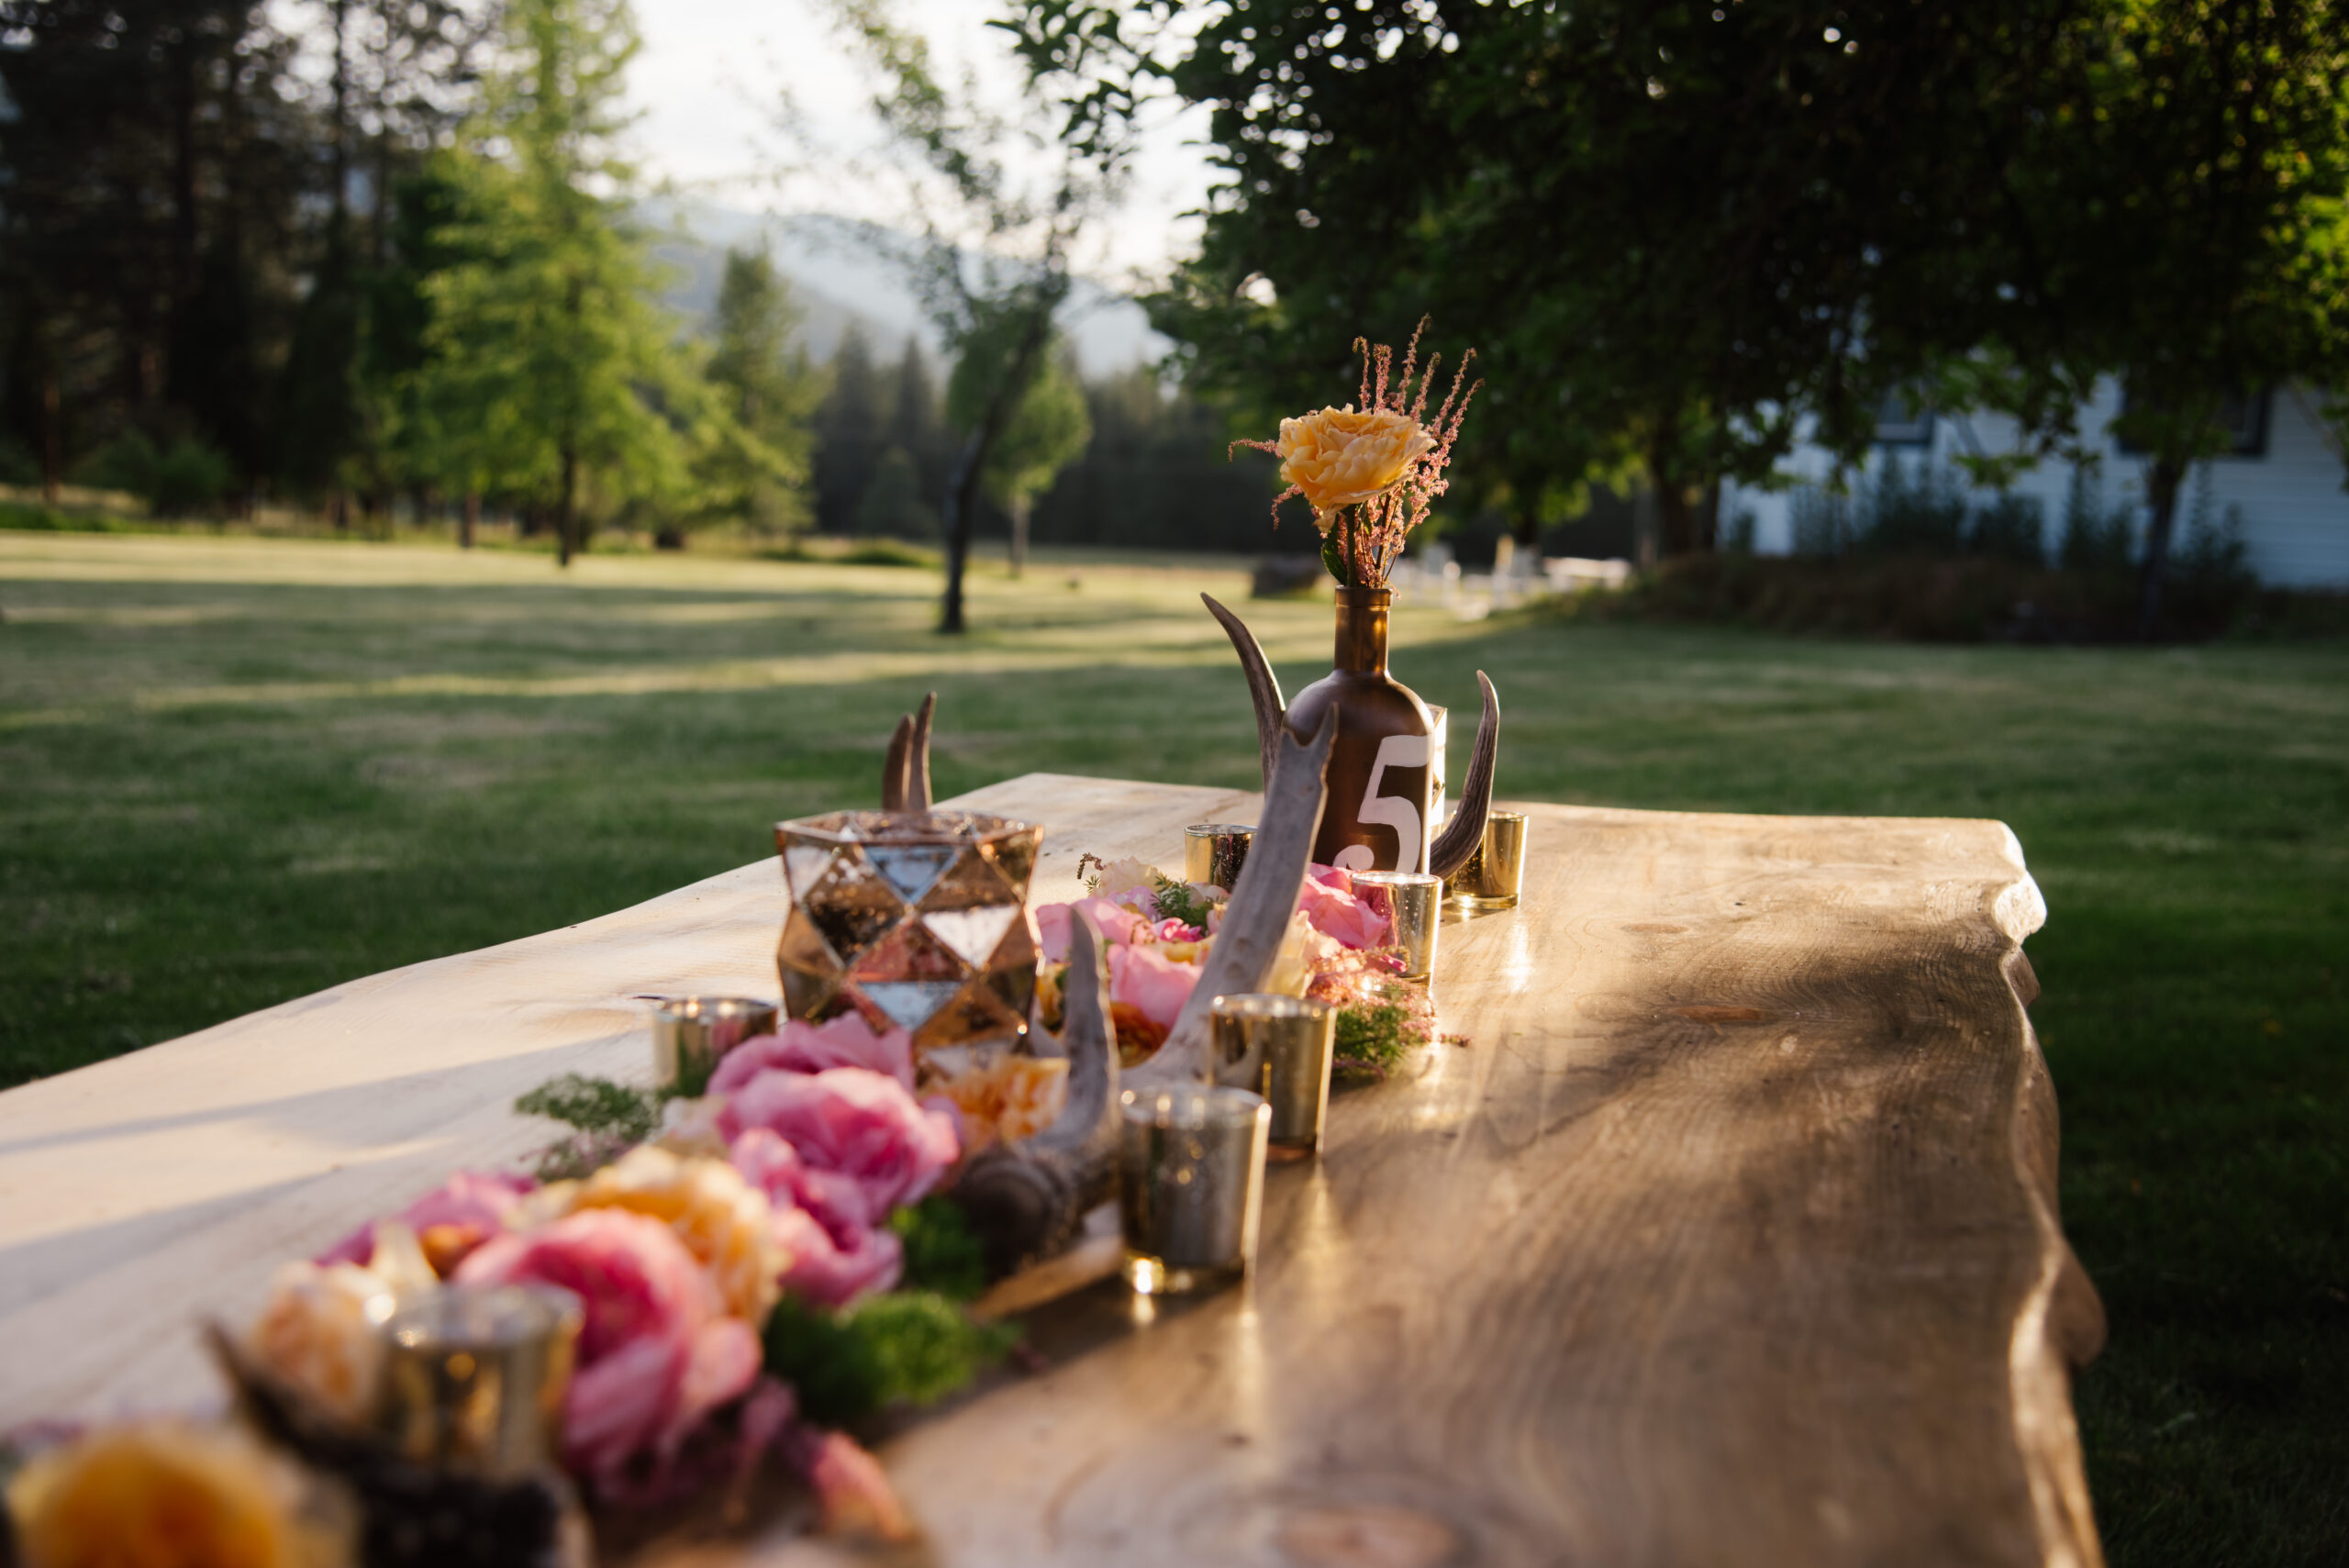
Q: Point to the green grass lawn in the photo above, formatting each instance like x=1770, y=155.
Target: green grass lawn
x=236, y=770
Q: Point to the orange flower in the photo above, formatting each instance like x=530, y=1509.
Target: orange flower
x=1014, y=1097
x=1337, y=458
x=163, y=1495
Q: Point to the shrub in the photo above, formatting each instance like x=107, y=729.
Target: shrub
x=187, y=476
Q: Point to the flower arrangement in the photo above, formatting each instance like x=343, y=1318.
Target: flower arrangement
x=1161, y=930
x=1372, y=471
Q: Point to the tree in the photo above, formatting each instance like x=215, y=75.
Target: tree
x=1009, y=282
x=850, y=436
x=551, y=365
x=2193, y=197
x=1669, y=230
x=1042, y=434
x=764, y=387
x=149, y=158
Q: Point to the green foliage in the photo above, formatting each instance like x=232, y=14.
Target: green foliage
x=753, y=465
x=912, y=1346
x=943, y=1255
x=183, y=477
x=596, y=1106
x=1176, y=900
x=1372, y=1039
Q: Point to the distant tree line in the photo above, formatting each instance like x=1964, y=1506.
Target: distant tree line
x=403, y=267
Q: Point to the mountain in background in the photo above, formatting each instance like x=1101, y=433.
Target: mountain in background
x=837, y=279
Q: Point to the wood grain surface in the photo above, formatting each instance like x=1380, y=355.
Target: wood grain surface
x=1728, y=1236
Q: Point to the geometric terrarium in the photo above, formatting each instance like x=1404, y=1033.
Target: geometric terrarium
x=918, y=919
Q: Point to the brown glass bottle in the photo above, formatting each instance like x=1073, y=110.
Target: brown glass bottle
x=1381, y=786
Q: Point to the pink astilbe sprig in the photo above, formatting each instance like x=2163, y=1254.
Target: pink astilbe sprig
x=1324, y=456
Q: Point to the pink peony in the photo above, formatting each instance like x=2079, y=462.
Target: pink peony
x=1152, y=985
x=657, y=1353
x=1326, y=899
x=822, y=1219
x=853, y=1122
x=802, y=1047
x=1116, y=924
x=449, y=1222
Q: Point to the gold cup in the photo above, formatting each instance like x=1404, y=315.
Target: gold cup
x=475, y=1378
x=690, y=1034
x=1412, y=902
x=1190, y=1185
x=1496, y=871
x=1280, y=1047
x=1213, y=853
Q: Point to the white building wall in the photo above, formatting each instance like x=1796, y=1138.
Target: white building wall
x=2294, y=510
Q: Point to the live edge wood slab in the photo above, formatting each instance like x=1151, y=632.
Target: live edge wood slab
x=1728, y=1235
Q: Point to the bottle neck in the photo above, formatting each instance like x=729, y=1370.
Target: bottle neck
x=1362, y=630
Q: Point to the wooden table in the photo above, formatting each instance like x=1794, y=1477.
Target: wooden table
x=1728, y=1236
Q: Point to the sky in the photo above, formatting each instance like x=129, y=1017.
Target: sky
x=714, y=74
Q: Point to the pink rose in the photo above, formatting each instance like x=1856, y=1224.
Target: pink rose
x=1116, y=924
x=823, y=1220
x=449, y=1222
x=1153, y=984
x=657, y=1353
x=1172, y=931
x=1327, y=900
x=852, y=1121
x=802, y=1047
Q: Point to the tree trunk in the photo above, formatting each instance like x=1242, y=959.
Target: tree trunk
x=1708, y=517
x=1020, y=509
x=566, y=515
x=962, y=478
x=1675, y=519
x=1644, y=527
x=1527, y=529
x=2161, y=490
x=340, y=507
x=962, y=501
x=468, y=519
x=53, y=437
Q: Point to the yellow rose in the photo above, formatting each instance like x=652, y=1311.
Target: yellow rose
x=1339, y=457
x=162, y=1495
x=723, y=1220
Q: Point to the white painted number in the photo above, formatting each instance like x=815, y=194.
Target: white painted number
x=1398, y=812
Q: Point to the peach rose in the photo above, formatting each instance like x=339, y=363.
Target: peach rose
x=1337, y=457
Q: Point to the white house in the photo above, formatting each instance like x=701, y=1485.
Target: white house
x=2284, y=479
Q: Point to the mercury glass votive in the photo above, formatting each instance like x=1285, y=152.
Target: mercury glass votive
x=692, y=1034
x=475, y=1378
x=1190, y=1185
x=1495, y=870
x=918, y=919
x=1213, y=853
x=1412, y=902
x=1281, y=1046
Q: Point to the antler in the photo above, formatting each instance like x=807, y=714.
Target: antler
x=1466, y=830
x=905, y=776
x=1255, y=922
x=1025, y=1200
x=1264, y=688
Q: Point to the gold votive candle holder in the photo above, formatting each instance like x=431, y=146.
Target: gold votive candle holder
x=1190, y=1185
x=692, y=1034
x=475, y=1377
x=1279, y=1046
x=1213, y=853
x=1412, y=902
x=1495, y=870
